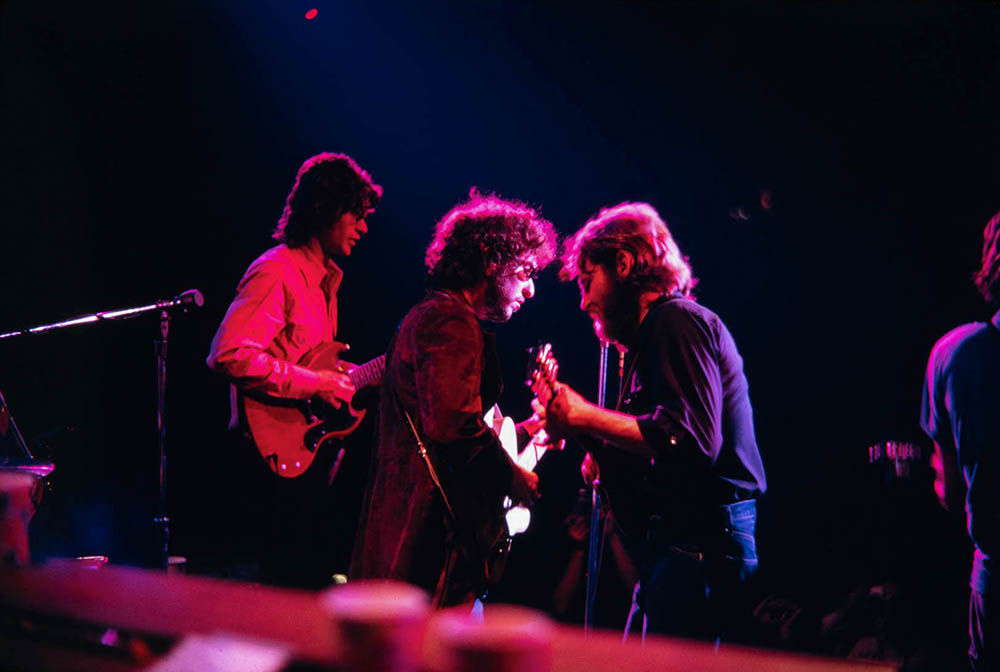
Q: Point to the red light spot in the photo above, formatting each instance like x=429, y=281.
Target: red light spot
x=766, y=199
x=312, y=14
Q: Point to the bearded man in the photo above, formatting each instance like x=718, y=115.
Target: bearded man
x=426, y=517
x=678, y=458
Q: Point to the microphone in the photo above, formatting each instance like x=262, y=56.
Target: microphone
x=190, y=297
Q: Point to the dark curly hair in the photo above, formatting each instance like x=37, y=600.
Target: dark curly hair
x=484, y=232
x=987, y=278
x=326, y=186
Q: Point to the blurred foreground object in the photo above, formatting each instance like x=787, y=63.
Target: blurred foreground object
x=53, y=615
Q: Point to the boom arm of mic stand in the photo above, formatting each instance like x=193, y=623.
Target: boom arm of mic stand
x=191, y=297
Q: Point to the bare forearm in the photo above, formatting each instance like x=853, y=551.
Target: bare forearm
x=620, y=429
x=948, y=482
x=563, y=595
x=626, y=568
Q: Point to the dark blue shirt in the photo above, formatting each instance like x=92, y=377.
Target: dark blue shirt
x=687, y=383
x=961, y=413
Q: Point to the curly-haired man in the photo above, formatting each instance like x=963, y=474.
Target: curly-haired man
x=678, y=458
x=431, y=521
x=285, y=306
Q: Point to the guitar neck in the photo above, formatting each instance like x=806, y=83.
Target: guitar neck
x=541, y=376
x=368, y=373
x=529, y=457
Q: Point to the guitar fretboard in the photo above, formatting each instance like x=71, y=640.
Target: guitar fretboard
x=368, y=373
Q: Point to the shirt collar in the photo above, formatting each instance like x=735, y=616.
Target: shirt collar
x=656, y=303
x=453, y=295
x=318, y=269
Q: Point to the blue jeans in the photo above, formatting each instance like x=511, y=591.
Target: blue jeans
x=984, y=623
x=692, y=586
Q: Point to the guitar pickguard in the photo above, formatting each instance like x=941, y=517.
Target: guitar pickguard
x=289, y=432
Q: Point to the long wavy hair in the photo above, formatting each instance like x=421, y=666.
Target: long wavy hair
x=638, y=229
x=486, y=231
x=326, y=186
x=987, y=278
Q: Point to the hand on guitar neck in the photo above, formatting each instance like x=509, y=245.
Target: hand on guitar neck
x=559, y=410
x=564, y=413
x=541, y=378
x=335, y=387
x=288, y=432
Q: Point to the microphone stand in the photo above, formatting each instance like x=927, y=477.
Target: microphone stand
x=182, y=301
x=161, y=520
x=593, y=548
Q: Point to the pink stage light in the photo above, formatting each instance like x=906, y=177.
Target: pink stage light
x=766, y=200
x=312, y=14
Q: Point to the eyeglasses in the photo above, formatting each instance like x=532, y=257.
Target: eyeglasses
x=525, y=272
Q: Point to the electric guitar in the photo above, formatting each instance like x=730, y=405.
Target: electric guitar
x=288, y=432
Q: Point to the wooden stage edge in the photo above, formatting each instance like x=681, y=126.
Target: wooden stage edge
x=143, y=605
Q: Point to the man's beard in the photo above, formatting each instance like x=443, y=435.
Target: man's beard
x=620, y=318
x=496, y=308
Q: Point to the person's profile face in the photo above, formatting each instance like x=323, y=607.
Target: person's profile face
x=339, y=239
x=508, y=290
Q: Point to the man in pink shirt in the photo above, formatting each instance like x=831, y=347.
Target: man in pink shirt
x=285, y=306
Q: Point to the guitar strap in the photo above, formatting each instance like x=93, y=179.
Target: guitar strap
x=626, y=378
x=422, y=451
x=470, y=544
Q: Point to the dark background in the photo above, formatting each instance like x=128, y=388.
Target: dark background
x=147, y=148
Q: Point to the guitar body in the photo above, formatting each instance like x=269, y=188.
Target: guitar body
x=517, y=518
x=496, y=533
x=288, y=432
x=494, y=541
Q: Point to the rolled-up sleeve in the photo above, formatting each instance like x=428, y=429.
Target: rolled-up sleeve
x=934, y=418
x=689, y=406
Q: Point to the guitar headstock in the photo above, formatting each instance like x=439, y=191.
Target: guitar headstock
x=541, y=371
